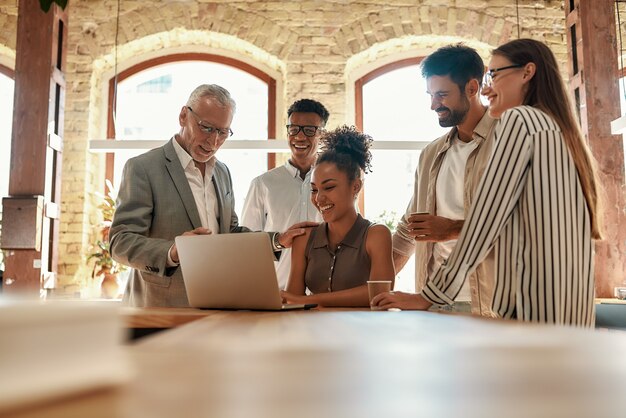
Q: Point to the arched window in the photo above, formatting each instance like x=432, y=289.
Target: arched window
x=392, y=105
x=150, y=95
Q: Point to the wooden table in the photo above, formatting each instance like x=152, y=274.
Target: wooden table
x=155, y=318
x=363, y=364
x=138, y=318
x=610, y=301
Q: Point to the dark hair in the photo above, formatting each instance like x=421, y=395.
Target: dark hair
x=309, y=106
x=546, y=91
x=348, y=149
x=459, y=62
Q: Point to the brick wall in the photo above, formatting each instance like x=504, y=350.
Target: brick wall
x=315, y=47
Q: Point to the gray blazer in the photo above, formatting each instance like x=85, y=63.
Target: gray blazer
x=154, y=205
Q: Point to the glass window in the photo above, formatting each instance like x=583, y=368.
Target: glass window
x=622, y=102
x=149, y=102
x=622, y=95
x=6, y=127
x=396, y=107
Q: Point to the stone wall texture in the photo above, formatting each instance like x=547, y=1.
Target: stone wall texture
x=315, y=47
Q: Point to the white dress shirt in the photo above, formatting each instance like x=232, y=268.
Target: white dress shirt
x=450, y=204
x=276, y=200
x=203, y=191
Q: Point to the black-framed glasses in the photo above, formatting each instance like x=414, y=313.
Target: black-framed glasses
x=308, y=130
x=488, y=77
x=208, y=129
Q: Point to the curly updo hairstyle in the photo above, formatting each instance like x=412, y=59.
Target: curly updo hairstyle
x=348, y=149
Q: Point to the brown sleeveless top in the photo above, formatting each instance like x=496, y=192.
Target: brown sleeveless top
x=347, y=267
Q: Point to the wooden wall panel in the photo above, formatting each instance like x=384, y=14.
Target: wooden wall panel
x=593, y=83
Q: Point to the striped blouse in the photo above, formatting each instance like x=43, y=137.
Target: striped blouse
x=530, y=208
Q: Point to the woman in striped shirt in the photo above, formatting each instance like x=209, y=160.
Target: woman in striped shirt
x=537, y=203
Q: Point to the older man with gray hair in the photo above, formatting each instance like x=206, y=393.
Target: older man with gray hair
x=177, y=189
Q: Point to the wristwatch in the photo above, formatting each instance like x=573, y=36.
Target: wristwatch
x=277, y=245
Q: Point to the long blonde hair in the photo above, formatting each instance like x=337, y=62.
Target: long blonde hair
x=547, y=92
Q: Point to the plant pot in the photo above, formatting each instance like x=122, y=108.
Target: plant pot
x=109, y=288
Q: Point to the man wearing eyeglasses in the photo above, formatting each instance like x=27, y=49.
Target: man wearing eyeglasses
x=282, y=196
x=449, y=171
x=177, y=189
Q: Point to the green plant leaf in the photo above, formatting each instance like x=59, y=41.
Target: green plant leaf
x=100, y=248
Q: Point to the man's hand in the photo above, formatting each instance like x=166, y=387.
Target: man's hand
x=401, y=300
x=425, y=227
x=197, y=231
x=286, y=238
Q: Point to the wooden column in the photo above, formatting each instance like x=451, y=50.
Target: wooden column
x=30, y=213
x=594, y=85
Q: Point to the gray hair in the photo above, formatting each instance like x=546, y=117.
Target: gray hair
x=220, y=94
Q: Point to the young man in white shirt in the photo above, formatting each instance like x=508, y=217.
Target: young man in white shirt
x=448, y=173
x=282, y=196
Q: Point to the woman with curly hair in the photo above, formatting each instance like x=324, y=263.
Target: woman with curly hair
x=335, y=260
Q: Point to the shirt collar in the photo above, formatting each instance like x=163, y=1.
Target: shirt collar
x=481, y=131
x=352, y=238
x=186, y=160
x=483, y=128
x=294, y=171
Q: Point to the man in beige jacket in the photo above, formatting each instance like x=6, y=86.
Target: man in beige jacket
x=449, y=170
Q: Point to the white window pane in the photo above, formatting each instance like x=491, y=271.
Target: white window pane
x=396, y=107
x=149, y=103
x=388, y=188
x=622, y=102
x=622, y=96
x=244, y=166
x=6, y=127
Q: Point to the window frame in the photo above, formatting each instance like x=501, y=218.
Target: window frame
x=190, y=56
x=9, y=72
x=358, y=98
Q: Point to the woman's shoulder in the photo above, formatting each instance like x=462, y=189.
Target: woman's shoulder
x=378, y=237
x=301, y=241
x=533, y=118
x=378, y=230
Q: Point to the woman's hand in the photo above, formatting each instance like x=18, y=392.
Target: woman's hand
x=401, y=300
x=291, y=298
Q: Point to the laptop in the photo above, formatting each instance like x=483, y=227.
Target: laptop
x=231, y=271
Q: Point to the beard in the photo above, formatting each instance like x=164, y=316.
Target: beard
x=455, y=116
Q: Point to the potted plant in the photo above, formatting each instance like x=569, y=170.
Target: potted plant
x=104, y=266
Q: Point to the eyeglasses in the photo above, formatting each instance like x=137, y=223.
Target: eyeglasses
x=207, y=129
x=488, y=77
x=309, y=131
